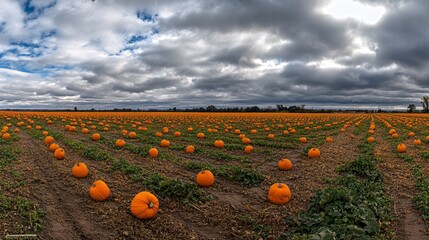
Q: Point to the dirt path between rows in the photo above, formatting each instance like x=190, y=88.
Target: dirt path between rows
x=65, y=217
x=400, y=185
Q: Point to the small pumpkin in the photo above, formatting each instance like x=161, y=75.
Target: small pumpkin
x=153, y=152
x=248, y=149
x=144, y=205
x=313, y=152
x=132, y=135
x=401, y=148
x=49, y=140
x=271, y=136
x=85, y=130
x=190, y=149
x=80, y=170
x=205, y=178
x=59, y=154
x=96, y=136
x=284, y=164
x=371, y=139
x=411, y=134
x=120, y=143
x=45, y=133
x=417, y=142
x=246, y=140
x=329, y=139
x=53, y=147
x=6, y=136
x=177, y=134
x=99, y=191
x=279, y=193
x=219, y=144
x=200, y=135
x=303, y=139
x=165, y=143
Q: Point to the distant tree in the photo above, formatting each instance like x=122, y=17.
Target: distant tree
x=411, y=108
x=280, y=107
x=75, y=108
x=211, y=108
x=425, y=103
x=252, y=109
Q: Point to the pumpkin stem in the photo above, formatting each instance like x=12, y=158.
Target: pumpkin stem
x=280, y=185
x=150, y=204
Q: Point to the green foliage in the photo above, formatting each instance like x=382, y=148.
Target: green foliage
x=174, y=188
x=27, y=215
x=356, y=208
x=245, y=176
x=96, y=154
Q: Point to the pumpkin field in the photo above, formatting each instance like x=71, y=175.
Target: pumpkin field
x=173, y=175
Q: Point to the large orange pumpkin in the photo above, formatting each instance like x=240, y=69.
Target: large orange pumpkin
x=205, y=178
x=279, y=193
x=99, y=191
x=80, y=170
x=144, y=205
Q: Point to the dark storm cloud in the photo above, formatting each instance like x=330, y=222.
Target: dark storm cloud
x=311, y=34
x=402, y=36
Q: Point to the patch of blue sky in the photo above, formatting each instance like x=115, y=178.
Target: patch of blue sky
x=33, y=12
x=146, y=16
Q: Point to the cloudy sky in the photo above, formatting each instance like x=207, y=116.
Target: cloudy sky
x=177, y=53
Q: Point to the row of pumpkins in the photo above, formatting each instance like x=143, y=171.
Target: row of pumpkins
x=145, y=204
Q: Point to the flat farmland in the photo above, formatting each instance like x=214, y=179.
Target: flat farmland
x=364, y=185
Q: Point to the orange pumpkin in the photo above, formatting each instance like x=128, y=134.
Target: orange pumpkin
x=49, y=140
x=219, y=144
x=371, y=139
x=200, y=135
x=153, y=152
x=144, y=205
x=99, y=191
x=329, y=139
x=285, y=164
x=417, y=142
x=177, y=134
x=190, y=149
x=271, y=136
x=85, y=130
x=96, y=136
x=248, y=149
x=120, y=143
x=80, y=170
x=165, y=143
x=246, y=140
x=45, y=133
x=205, y=178
x=314, y=152
x=279, y=193
x=401, y=148
x=6, y=136
x=411, y=134
x=303, y=139
x=132, y=135
x=59, y=154
x=53, y=147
